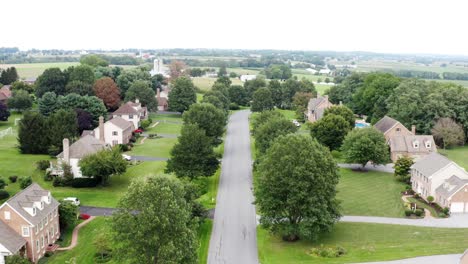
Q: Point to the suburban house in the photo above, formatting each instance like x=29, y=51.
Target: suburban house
x=444, y=180
x=316, y=107
x=163, y=100
x=72, y=154
x=325, y=71
x=29, y=224
x=5, y=93
x=403, y=142
x=133, y=112
x=247, y=77
x=113, y=132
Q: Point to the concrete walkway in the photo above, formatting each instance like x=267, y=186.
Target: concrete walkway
x=382, y=168
x=74, y=240
x=436, y=259
x=454, y=221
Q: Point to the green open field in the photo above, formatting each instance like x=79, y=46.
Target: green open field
x=457, y=154
x=27, y=70
x=374, y=65
x=365, y=242
x=205, y=83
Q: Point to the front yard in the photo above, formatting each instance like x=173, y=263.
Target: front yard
x=365, y=242
x=457, y=154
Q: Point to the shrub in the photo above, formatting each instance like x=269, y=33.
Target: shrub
x=145, y=124
x=25, y=182
x=42, y=165
x=418, y=212
x=416, y=195
x=84, y=182
x=331, y=252
x=13, y=178
x=336, y=154
x=430, y=199
x=84, y=216
x=2, y=184
x=123, y=147
x=153, y=135
x=442, y=215
x=446, y=210
x=4, y=194
x=408, y=212
x=234, y=106
x=57, y=182
x=133, y=139
x=48, y=254
x=47, y=176
x=408, y=187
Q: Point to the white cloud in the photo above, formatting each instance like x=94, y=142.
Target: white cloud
x=382, y=26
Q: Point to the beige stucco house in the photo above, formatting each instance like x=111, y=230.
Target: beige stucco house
x=391, y=128
x=113, y=132
x=29, y=223
x=132, y=112
x=316, y=108
x=444, y=180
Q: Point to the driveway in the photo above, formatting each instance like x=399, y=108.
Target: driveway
x=97, y=211
x=147, y=158
x=234, y=235
x=454, y=221
x=382, y=168
x=436, y=259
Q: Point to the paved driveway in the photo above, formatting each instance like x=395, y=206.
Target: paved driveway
x=382, y=168
x=234, y=235
x=97, y=211
x=148, y=158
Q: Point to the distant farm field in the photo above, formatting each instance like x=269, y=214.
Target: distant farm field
x=28, y=70
x=205, y=83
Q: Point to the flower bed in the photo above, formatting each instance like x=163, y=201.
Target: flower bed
x=84, y=216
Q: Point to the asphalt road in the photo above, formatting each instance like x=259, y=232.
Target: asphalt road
x=234, y=236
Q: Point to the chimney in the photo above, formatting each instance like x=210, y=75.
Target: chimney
x=158, y=93
x=413, y=129
x=137, y=101
x=341, y=102
x=66, y=150
x=101, y=129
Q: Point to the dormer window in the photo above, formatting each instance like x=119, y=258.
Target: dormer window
x=415, y=144
x=34, y=210
x=130, y=116
x=428, y=144
x=42, y=205
x=398, y=129
x=49, y=199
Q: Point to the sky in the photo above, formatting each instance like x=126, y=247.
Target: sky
x=390, y=26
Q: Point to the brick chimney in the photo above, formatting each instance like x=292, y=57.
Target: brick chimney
x=101, y=129
x=158, y=94
x=413, y=129
x=66, y=150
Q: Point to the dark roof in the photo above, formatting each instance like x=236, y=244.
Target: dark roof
x=162, y=101
x=314, y=102
x=3, y=96
x=6, y=90
x=27, y=197
x=385, y=124
x=405, y=144
x=126, y=108
x=87, y=132
x=121, y=123
x=451, y=186
x=431, y=164
x=10, y=239
x=86, y=145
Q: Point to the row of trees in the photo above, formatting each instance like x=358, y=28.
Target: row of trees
x=8, y=76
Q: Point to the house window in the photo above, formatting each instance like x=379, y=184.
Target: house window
x=46, y=221
x=398, y=129
x=25, y=231
x=130, y=116
x=42, y=205
x=51, y=231
x=50, y=217
x=42, y=224
x=34, y=210
x=37, y=245
x=36, y=229
x=428, y=144
x=7, y=215
x=56, y=229
x=42, y=241
x=55, y=212
x=114, y=133
x=415, y=144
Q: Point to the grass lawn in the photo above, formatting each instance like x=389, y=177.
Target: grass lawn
x=457, y=154
x=370, y=193
x=205, y=83
x=26, y=70
x=365, y=242
x=204, y=235
x=157, y=147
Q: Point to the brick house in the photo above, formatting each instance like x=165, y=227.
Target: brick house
x=443, y=179
x=29, y=223
x=316, y=108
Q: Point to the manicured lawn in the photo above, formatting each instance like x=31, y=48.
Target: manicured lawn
x=208, y=200
x=204, y=234
x=165, y=128
x=66, y=235
x=205, y=83
x=370, y=193
x=156, y=147
x=457, y=154
x=365, y=242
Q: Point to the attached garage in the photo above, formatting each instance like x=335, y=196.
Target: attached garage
x=457, y=208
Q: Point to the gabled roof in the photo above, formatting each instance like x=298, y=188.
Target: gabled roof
x=162, y=101
x=314, y=102
x=405, y=144
x=26, y=197
x=121, y=123
x=10, y=239
x=451, y=186
x=3, y=96
x=126, y=108
x=384, y=124
x=431, y=164
x=6, y=90
x=86, y=145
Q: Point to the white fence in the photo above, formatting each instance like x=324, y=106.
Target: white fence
x=5, y=132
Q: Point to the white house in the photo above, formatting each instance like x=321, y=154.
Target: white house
x=132, y=112
x=325, y=71
x=247, y=77
x=113, y=132
x=313, y=71
x=72, y=154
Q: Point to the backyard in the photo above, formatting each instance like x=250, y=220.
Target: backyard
x=457, y=154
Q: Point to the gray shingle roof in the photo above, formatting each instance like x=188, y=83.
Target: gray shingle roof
x=431, y=164
x=86, y=145
x=384, y=124
x=314, y=102
x=10, y=239
x=121, y=123
x=126, y=108
x=405, y=144
x=451, y=186
x=26, y=198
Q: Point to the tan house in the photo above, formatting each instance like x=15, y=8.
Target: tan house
x=403, y=142
x=132, y=112
x=5, y=93
x=316, y=108
x=29, y=224
x=163, y=100
x=443, y=179
x=113, y=132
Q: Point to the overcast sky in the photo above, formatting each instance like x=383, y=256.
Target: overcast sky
x=396, y=26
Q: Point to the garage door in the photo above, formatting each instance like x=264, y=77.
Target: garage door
x=457, y=207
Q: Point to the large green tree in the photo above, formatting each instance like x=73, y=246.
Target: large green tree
x=94, y=60
x=365, y=145
x=51, y=80
x=208, y=118
x=48, y=103
x=142, y=91
x=8, y=76
x=448, y=132
x=259, y=119
x=162, y=231
x=33, y=134
x=91, y=104
x=61, y=124
x=270, y=130
x=4, y=112
x=82, y=73
x=238, y=95
x=261, y=100
x=217, y=99
x=103, y=164
x=20, y=101
x=299, y=104
x=330, y=130
x=296, y=190
x=193, y=156
x=343, y=111
x=127, y=77
x=79, y=87
x=182, y=95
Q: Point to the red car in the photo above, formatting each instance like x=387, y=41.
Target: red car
x=138, y=131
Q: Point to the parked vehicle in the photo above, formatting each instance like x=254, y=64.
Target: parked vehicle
x=138, y=131
x=73, y=200
x=126, y=157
